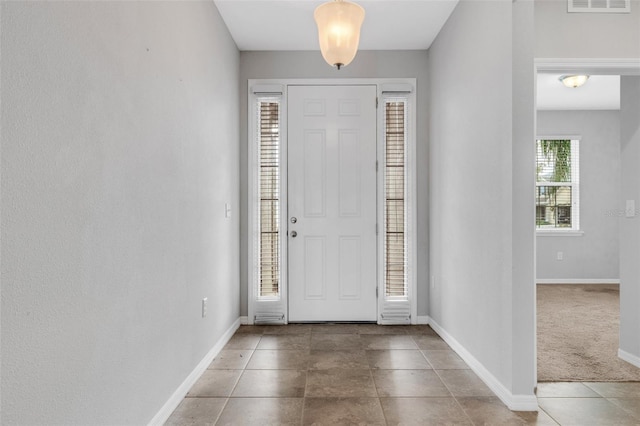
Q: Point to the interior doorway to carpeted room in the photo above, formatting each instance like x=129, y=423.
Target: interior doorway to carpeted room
x=578, y=328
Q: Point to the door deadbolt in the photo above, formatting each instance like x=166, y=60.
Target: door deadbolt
x=294, y=219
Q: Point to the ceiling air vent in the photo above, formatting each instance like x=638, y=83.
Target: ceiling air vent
x=599, y=6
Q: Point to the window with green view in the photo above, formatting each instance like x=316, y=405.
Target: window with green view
x=557, y=194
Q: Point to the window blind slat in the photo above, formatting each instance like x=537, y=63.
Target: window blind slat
x=269, y=198
x=556, y=184
x=395, y=250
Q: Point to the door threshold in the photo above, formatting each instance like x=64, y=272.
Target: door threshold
x=332, y=322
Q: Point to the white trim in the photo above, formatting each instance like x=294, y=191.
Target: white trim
x=575, y=184
x=389, y=307
x=402, y=84
x=332, y=81
x=559, y=233
x=176, y=398
x=262, y=89
x=589, y=7
x=630, y=358
x=593, y=281
x=559, y=137
x=601, y=66
x=278, y=305
x=397, y=87
x=284, y=205
x=412, y=190
x=513, y=402
x=244, y=320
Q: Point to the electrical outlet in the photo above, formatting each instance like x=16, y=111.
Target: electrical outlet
x=560, y=256
x=204, y=307
x=227, y=210
x=630, y=211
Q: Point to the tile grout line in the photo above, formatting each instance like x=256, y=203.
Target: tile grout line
x=375, y=386
x=549, y=414
x=455, y=398
x=632, y=414
x=306, y=381
x=221, y=411
x=253, y=351
x=226, y=402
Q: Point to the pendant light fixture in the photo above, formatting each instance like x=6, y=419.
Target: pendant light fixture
x=574, y=81
x=339, y=25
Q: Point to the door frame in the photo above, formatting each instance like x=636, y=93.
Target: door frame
x=591, y=66
x=275, y=310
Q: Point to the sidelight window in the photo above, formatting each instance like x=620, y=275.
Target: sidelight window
x=395, y=196
x=269, y=197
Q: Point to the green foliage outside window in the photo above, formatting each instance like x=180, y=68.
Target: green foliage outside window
x=558, y=154
x=553, y=168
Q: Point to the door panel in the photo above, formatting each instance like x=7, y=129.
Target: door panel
x=314, y=268
x=332, y=195
x=314, y=179
x=349, y=174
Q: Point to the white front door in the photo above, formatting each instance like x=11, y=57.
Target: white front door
x=332, y=203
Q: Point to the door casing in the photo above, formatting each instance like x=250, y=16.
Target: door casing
x=275, y=310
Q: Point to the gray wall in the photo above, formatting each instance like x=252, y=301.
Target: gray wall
x=585, y=35
x=367, y=64
x=119, y=150
x=630, y=227
x=482, y=270
x=595, y=254
x=523, y=296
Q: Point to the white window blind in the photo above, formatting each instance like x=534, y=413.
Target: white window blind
x=395, y=215
x=557, y=185
x=269, y=198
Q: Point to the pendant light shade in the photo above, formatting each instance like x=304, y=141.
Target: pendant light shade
x=339, y=25
x=574, y=81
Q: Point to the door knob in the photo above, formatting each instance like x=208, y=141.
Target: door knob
x=294, y=234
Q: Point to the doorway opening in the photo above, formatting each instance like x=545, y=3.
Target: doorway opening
x=578, y=271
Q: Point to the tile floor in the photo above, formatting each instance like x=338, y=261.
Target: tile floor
x=333, y=374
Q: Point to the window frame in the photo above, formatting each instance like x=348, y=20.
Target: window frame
x=265, y=309
x=385, y=169
x=279, y=242
x=398, y=309
x=575, y=229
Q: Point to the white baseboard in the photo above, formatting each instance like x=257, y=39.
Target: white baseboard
x=514, y=402
x=630, y=358
x=161, y=417
x=578, y=281
x=244, y=320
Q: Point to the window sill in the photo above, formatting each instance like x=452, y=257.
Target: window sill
x=568, y=233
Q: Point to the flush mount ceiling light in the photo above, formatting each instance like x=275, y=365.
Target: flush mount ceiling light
x=573, y=81
x=339, y=25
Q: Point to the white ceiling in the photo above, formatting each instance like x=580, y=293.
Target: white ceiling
x=388, y=25
x=289, y=24
x=599, y=92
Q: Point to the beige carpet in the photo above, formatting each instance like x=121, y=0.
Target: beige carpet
x=578, y=334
